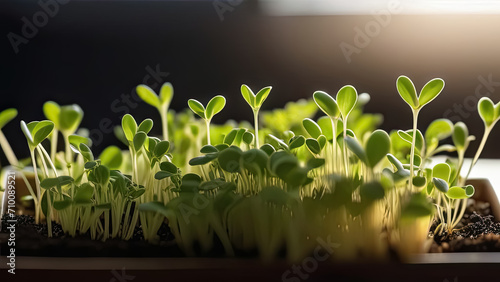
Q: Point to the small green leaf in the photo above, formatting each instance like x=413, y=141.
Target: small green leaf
x=129, y=127
x=255, y=161
x=442, y=171
x=346, y=99
x=325, y=123
x=419, y=181
x=70, y=118
x=356, y=148
x=312, y=128
x=430, y=91
x=163, y=174
x=297, y=142
x=148, y=95
x=248, y=137
x=460, y=135
x=313, y=146
x=161, y=148
x=111, y=157
x=438, y=130
x=407, y=91
x=269, y=149
x=52, y=111
x=326, y=104
x=166, y=94
x=457, y=192
x=248, y=95
x=6, y=116
x=229, y=159
x=145, y=126
x=102, y=175
x=315, y=163
x=203, y=159
x=61, y=205
x=214, y=106
x=208, y=149
x=41, y=131
x=229, y=139
x=197, y=108
x=90, y=165
x=86, y=152
x=377, y=147
x=75, y=140
x=84, y=193
x=170, y=167
x=487, y=111
x=139, y=140
x=261, y=96
x=440, y=184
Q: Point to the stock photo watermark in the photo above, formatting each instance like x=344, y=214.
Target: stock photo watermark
x=485, y=88
x=31, y=27
x=302, y=271
x=154, y=79
x=221, y=7
x=10, y=193
x=363, y=37
x=121, y=276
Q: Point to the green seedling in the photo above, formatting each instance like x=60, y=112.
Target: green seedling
x=346, y=99
x=255, y=101
x=7, y=116
x=428, y=93
x=214, y=106
x=490, y=114
x=161, y=102
x=36, y=132
x=66, y=119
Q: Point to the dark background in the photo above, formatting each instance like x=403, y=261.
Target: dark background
x=91, y=53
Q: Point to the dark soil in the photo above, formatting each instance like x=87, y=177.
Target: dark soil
x=478, y=231
x=32, y=240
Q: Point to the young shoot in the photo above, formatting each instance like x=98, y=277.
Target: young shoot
x=407, y=91
x=255, y=101
x=160, y=102
x=214, y=106
x=35, y=133
x=490, y=114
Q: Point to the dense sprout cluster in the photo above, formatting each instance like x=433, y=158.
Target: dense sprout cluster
x=282, y=184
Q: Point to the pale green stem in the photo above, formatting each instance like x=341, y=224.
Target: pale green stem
x=344, y=151
x=8, y=150
x=52, y=166
x=207, y=122
x=487, y=130
x=256, y=126
x=38, y=192
x=412, y=151
x=334, y=143
x=164, y=122
x=53, y=145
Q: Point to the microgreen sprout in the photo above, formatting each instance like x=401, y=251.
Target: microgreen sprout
x=311, y=178
x=160, y=102
x=214, y=106
x=255, y=101
x=428, y=93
